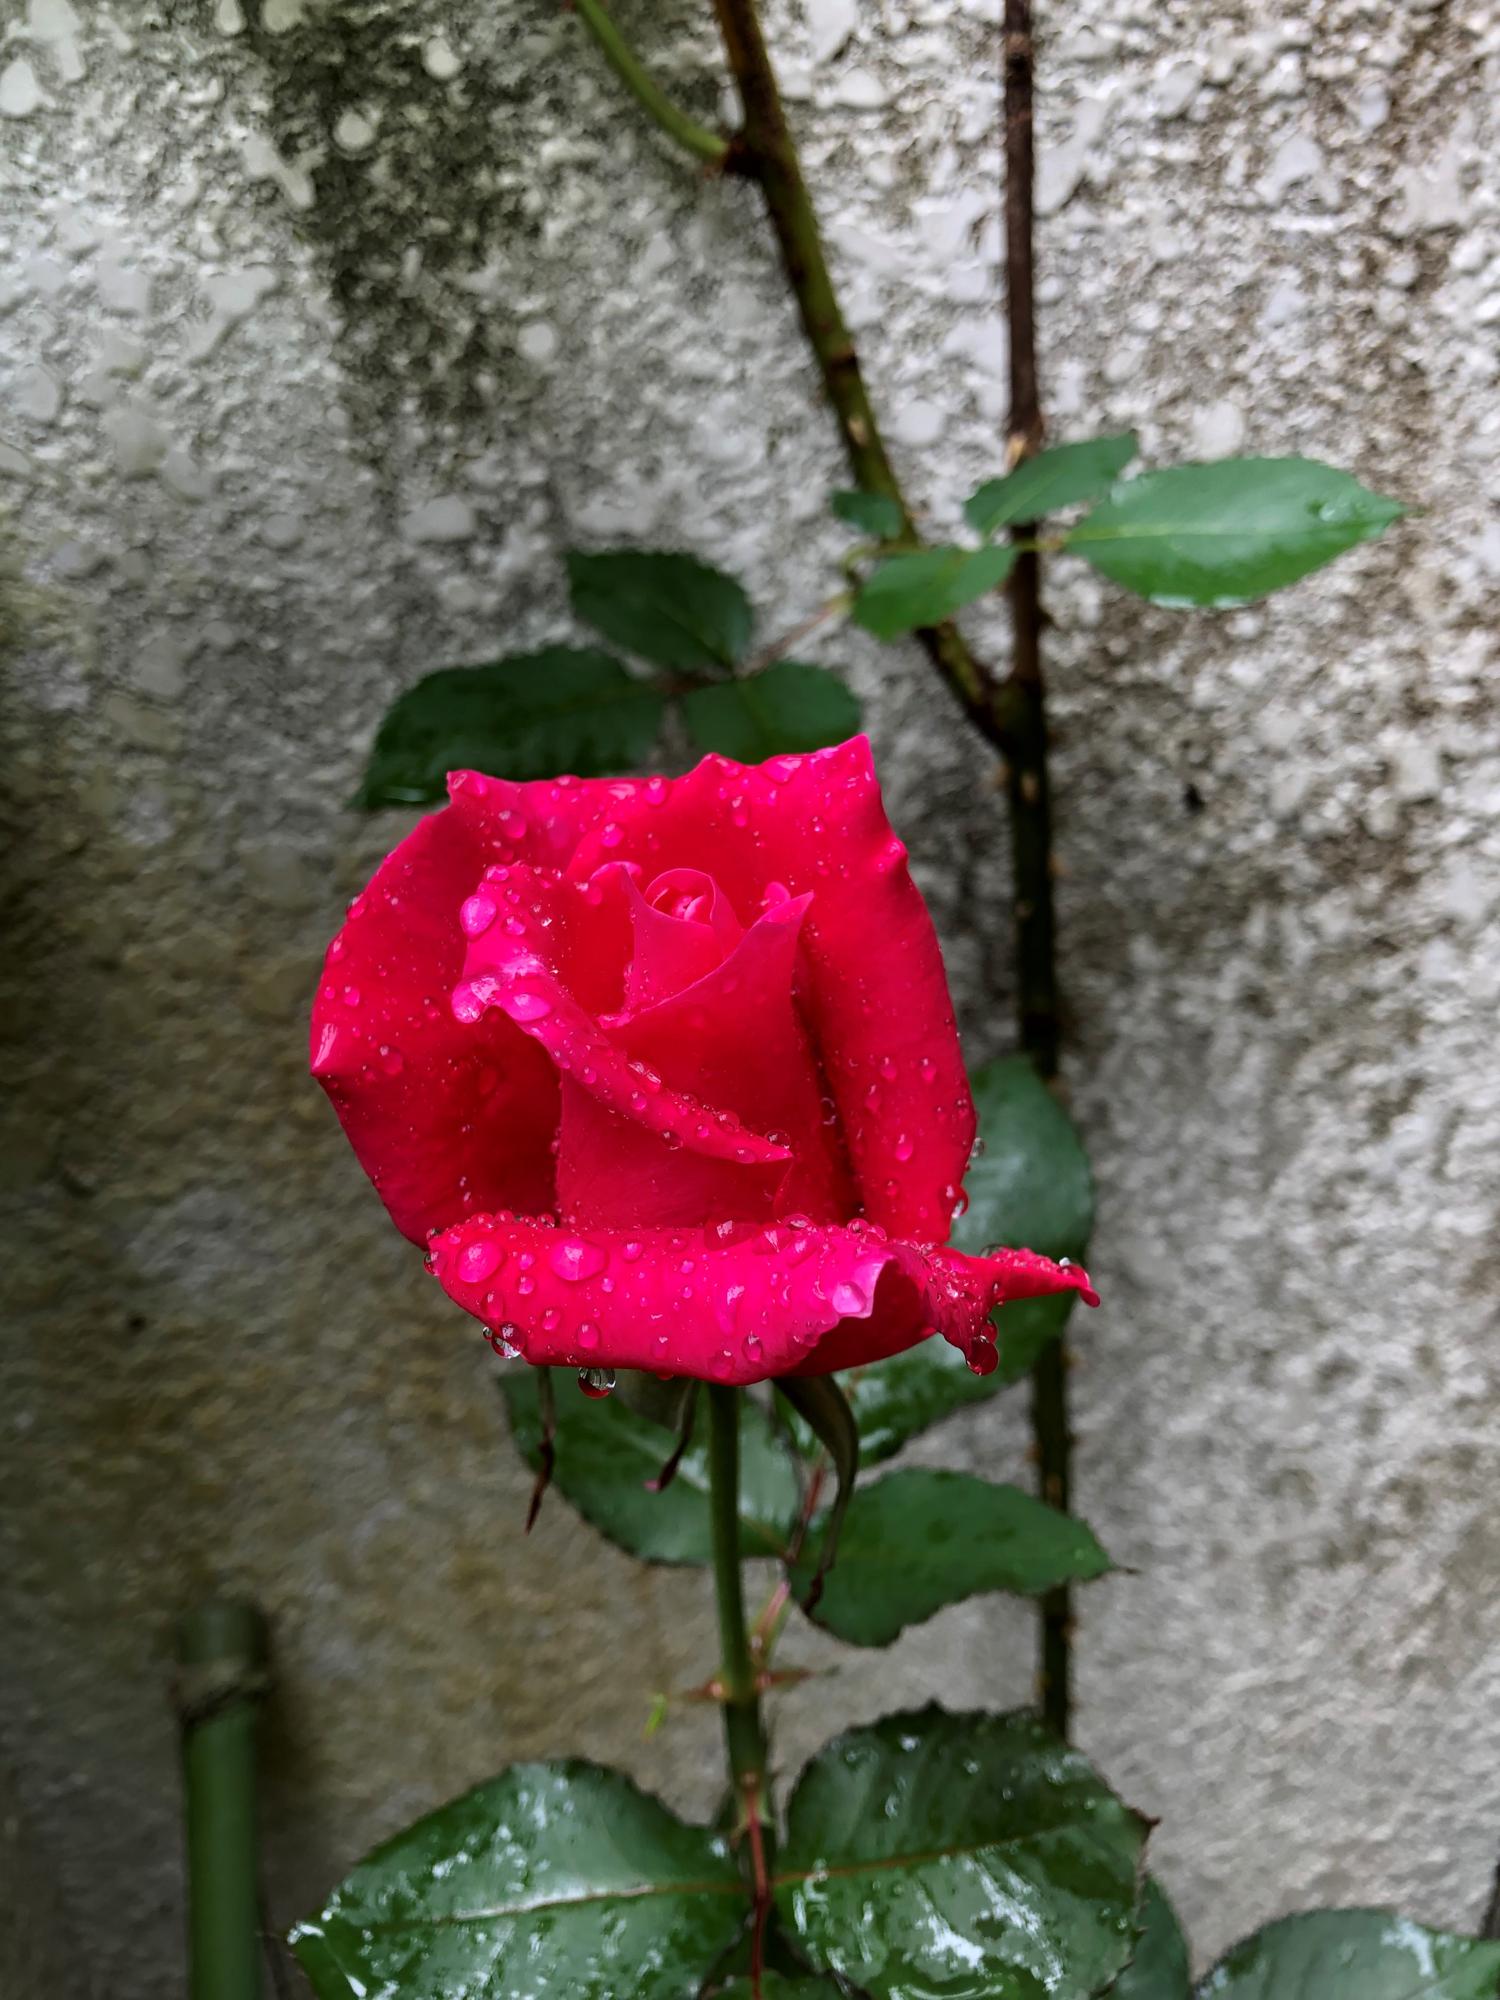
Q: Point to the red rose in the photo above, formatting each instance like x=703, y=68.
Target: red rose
x=666, y=1072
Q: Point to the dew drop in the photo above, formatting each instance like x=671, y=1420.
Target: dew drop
x=588, y=1335
x=506, y=1341
x=522, y=1005
x=478, y=1261
x=596, y=1383
x=575, y=1259
x=903, y=1148
x=982, y=1356
x=477, y=914
x=850, y=1300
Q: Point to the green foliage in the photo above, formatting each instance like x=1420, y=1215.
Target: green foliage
x=927, y=586
x=790, y=706
x=1060, y=477
x=577, y=709
x=824, y=1408
x=917, y=1541
x=606, y=1452
x=972, y=1856
x=1226, y=532
x=1159, y=1970
x=874, y=514
x=670, y=609
x=776, y=1986
x=1029, y=1187
x=1354, y=1955
x=567, y=708
x=550, y=1879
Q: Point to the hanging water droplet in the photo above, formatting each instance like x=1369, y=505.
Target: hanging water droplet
x=982, y=1357
x=596, y=1383
x=505, y=1340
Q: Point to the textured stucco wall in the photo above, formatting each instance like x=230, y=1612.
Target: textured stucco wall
x=325, y=325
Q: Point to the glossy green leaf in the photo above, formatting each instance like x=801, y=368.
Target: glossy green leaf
x=789, y=707
x=531, y=715
x=670, y=609
x=1060, y=477
x=972, y=1856
x=1028, y=1188
x=552, y=1878
x=1354, y=1955
x=875, y=514
x=605, y=1453
x=927, y=586
x=1224, y=533
x=916, y=1541
x=1159, y=1970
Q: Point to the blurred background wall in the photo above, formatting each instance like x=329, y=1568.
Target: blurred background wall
x=326, y=326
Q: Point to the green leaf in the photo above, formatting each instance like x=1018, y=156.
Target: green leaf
x=1230, y=531
x=1159, y=1970
x=1029, y=1188
x=1354, y=1955
x=918, y=1540
x=874, y=514
x=530, y=715
x=927, y=586
x=670, y=609
x=789, y=707
x=1057, y=478
x=551, y=1878
x=972, y=1856
x=605, y=1453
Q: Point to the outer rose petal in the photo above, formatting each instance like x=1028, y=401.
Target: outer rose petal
x=875, y=991
x=542, y=821
x=732, y=1303
x=444, y=1119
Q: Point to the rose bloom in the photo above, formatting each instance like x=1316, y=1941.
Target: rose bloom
x=664, y=1072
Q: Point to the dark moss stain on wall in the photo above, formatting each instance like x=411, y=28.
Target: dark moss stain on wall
x=439, y=195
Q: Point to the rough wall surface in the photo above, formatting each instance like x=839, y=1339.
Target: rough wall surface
x=326, y=325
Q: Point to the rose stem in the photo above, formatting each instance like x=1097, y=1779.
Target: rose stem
x=696, y=139
x=1009, y=711
x=744, y=1733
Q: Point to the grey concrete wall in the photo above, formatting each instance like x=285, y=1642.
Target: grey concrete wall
x=326, y=325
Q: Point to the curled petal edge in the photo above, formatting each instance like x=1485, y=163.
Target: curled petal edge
x=733, y=1302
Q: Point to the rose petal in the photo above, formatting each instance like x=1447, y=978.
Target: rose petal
x=444, y=1119
x=731, y=1303
x=732, y=1039
x=669, y=950
x=519, y=963
x=874, y=987
x=540, y=822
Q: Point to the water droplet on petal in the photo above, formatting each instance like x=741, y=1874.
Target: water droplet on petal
x=850, y=1300
x=982, y=1357
x=506, y=1341
x=477, y=1261
x=522, y=1005
x=588, y=1335
x=477, y=914
x=596, y=1383
x=752, y=1350
x=575, y=1259
x=903, y=1148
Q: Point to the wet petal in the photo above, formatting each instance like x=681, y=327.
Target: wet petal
x=528, y=962
x=727, y=1303
x=872, y=980
x=732, y=1039
x=444, y=1120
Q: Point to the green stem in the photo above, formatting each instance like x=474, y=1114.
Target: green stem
x=221, y=1678
x=687, y=132
x=744, y=1735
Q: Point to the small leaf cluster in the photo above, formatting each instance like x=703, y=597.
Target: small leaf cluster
x=1206, y=536
x=583, y=710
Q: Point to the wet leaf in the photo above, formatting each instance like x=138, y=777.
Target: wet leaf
x=875, y=514
x=667, y=608
x=606, y=1453
x=1354, y=1955
x=1230, y=531
x=927, y=586
x=1159, y=1970
x=919, y=1540
x=968, y=1855
x=1029, y=1188
x=778, y=1986
x=531, y=715
x=552, y=1878
x=1059, y=477
x=790, y=707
